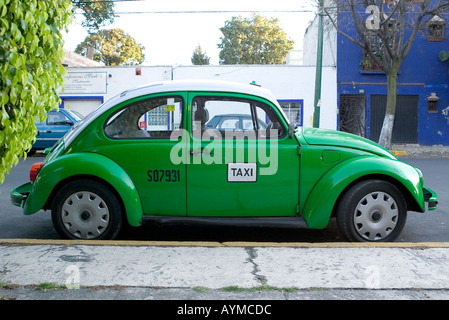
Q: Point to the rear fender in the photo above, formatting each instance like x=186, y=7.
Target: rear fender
x=324, y=196
x=68, y=167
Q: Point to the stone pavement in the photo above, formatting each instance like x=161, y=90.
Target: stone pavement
x=122, y=270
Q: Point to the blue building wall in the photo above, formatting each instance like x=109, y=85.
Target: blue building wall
x=421, y=74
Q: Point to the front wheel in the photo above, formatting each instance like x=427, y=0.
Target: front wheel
x=372, y=210
x=86, y=209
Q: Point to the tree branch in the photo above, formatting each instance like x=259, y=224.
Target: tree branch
x=339, y=30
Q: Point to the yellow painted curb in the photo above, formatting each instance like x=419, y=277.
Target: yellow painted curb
x=130, y=243
x=399, y=152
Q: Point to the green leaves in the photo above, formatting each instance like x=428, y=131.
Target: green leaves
x=199, y=57
x=443, y=56
x=114, y=47
x=97, y=13
x=30, y=48
x=253, y=41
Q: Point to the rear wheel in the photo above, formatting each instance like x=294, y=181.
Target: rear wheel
x=372, y=210
x=86, y=209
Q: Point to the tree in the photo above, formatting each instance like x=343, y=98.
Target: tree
x=97, y=13
x=258, y=40
x=114, y=47
x=30, y=50
x=385, y=30
x=199, y=57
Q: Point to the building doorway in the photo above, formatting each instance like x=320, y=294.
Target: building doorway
x=405, y=127
x=353, y=114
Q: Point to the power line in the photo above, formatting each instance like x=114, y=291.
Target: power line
x=207, y=11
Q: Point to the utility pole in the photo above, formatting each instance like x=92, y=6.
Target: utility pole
x=319, y=65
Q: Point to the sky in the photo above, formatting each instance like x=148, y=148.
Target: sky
x=170, y=38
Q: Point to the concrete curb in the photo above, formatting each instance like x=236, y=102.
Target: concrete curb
x=62, y=242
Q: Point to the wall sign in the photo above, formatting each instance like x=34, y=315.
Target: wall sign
x=85, y=82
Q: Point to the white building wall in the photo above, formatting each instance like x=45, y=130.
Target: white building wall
x=310, y=43
x=287, y=82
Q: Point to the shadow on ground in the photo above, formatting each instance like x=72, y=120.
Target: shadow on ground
x=153, y=231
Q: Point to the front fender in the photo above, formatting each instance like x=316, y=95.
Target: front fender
x=323, y=197
x=84, y=164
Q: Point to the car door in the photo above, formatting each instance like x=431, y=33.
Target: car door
x=50, y=131
x=40, y=142
x=139, y=139
x=240, y=170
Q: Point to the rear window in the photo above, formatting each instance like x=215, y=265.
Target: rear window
x=149, y=118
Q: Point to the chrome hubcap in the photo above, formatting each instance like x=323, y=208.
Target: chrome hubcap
x=376, y=216
x=85, y=215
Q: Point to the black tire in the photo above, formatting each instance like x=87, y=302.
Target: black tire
x=371, y=210
x=86, y=209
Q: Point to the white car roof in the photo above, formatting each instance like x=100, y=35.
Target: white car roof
x=173, y=86
x=194, y=85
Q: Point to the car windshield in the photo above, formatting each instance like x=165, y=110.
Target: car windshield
x=75, y=115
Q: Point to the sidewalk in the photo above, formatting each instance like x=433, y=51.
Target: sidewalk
x=121, y=270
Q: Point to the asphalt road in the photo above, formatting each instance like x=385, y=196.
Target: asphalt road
x=432, y=226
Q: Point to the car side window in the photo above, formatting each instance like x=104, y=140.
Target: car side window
x=268, y=121
x=149, y=118
x=57, y=118
x=232, y=116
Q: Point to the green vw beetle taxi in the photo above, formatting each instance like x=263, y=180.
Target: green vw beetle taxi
x=152, y=153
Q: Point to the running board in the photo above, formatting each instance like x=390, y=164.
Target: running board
x=278, y=222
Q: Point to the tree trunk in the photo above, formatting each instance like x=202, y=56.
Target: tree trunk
x=387, y=127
